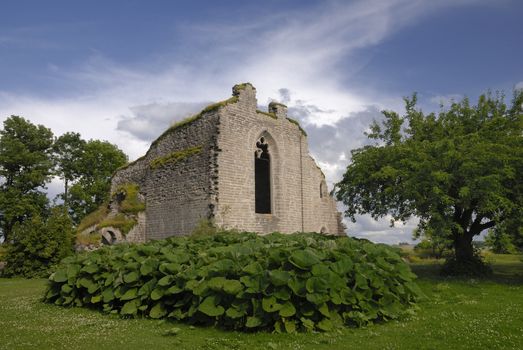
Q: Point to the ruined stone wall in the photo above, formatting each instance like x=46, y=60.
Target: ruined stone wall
x=177, y=192
x=218, y=180
x=295, y=178
x=320, y=212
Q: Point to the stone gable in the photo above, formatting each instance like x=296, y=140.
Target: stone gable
x=243, y=168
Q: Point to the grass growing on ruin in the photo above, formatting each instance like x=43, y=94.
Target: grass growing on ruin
x=175, y=157
x=210, y=108
x=293, y=121
x=271, y=115
x=94, y=238
x=119, y=221
x=94, y=218
x=131, y=203
x=460, y=314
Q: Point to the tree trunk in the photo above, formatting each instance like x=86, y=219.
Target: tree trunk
x=66, y=190
x=463, y=247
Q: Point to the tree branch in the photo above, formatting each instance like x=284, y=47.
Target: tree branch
x=477, y=226
x=487, y=225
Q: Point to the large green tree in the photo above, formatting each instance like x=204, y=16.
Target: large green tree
x=25, y=167
x=68, y=151
x=99, y=161
x=459, y=172
x=37, y=244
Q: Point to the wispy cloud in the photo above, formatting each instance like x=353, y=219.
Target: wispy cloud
x=148, y=121
x=302, y=57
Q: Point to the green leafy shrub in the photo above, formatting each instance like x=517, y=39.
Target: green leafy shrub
x=287, y=283
x=3, y=251
x=38, y=246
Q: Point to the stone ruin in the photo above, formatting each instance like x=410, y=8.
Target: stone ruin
x=233, y=164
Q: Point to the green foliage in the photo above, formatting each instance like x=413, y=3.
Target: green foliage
x=287, y=283
x=500, y=242
x=3, y=252
x=433, y=246
x=472, y=267
x=508, y=236
x=99, y=161
x=175, y=157
x=37, y=245
x=458, y=171
x=67, y=152
x=25, y=167
x=459, y=313
x=130, y=203
x=299, y=126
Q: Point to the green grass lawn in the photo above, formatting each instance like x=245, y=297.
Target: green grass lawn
x=458, y=314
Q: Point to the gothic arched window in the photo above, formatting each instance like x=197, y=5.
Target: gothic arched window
x=262, y=177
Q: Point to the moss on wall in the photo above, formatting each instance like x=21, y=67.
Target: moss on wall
x=274, y=103
x=187, y=121
x=125, y=166
x=93, y=218
x=94, y=238
x=120, y=221
x=272, y=115
x=131, y=203
x=239, y=87
x=175, y=157
x=299, y=126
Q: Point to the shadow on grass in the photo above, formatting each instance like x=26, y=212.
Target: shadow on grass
x=507, y=269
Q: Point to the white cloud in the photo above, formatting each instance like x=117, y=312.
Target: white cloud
x=148, y=121
x=519, y=85
x=303, y=55
x=446, y=100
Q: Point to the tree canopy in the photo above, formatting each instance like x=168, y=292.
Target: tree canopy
x=68, y=151
x=458, y=171
x=25, y=167
x=98, y=162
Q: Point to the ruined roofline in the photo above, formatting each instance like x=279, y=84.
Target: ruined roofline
x=275, y=109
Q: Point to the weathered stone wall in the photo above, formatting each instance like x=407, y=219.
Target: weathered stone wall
x=295, y=178
x=177, y=194
x=218, y=181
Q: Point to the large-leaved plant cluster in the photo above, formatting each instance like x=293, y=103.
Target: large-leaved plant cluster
x=244, y=281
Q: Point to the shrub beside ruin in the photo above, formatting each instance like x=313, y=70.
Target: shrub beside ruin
x=287, y=283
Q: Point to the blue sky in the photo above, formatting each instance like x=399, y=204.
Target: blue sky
x=124, y=70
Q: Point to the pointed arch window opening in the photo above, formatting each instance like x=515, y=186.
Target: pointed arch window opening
x=262, y=177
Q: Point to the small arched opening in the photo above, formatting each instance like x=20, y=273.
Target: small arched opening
x=108, y=238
